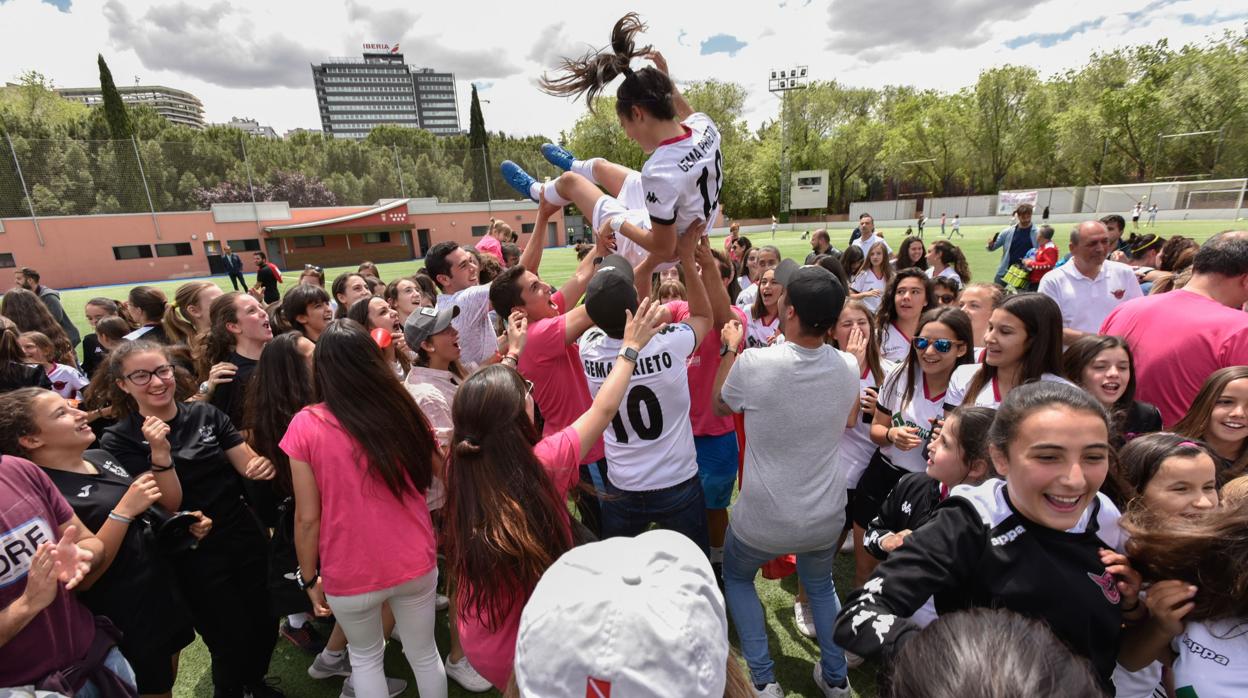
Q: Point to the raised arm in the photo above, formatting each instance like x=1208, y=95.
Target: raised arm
x=531, y=257
x=683, y=110
x=575, y=286
x=699, y=303
x=637, y=332
x=717, y=293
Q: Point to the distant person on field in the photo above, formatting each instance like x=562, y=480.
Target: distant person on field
x=942, y=224
x=1178, y=338
x=957, y=228
x=267, y=277
x=868, y=237
x=1152, y=215
x=233, y=268
x=28, y=279
x=773, y=227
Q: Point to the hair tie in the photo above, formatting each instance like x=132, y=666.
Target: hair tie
x=626, y=71
x=174, y=305
x=1189, y=444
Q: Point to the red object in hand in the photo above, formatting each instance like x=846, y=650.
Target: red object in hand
x=382, y=337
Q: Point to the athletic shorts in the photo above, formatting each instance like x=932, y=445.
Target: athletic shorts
x=849, y=508
x=631, y=203
x=153, y=669
x=717, y=468
x=877, y=481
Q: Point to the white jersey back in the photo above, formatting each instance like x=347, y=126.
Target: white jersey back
x=649, y=444
x=684, y=175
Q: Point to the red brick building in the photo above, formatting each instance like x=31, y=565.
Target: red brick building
x=75, y=251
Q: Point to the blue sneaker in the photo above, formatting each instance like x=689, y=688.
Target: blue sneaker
x=519, y=180
x=558, y=156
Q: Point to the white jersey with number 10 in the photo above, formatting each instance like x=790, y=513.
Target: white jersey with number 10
x=649, y=444
x=684, y=175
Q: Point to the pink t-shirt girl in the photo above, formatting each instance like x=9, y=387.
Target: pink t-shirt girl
x=492, y=653
x=370, y=540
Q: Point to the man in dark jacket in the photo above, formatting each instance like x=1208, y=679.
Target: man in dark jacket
x=233, y=267
x=28, y=279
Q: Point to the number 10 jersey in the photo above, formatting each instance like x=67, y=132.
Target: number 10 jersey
x=649, y=443
x=684, y=175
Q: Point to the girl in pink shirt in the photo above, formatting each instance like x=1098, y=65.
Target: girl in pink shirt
x=506, y=508
x=361, y=463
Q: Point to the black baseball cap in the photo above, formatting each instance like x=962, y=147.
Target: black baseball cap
x=426, y=322
x=814, y=292
x=610, y=293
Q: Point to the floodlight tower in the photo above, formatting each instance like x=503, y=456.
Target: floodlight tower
x=781, y=83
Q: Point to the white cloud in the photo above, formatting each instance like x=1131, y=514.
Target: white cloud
x=252, y=59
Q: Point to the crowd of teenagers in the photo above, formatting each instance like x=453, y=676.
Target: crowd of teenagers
x=1042, y=485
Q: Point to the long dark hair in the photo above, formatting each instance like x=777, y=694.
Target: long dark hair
x=280, y=386
x=910, y=371
x=1207, y=551
x=150, y=300
x=12, y=358
x=647, y=88
x=1141, y=458
x=340, y=286
x=887, y=314
x=390, y=430
x=903, y=260
x=952, y=256
x=178, y=323
x=1196, y=422
x=30, y=315
x=1042, y=319
x=215, y=345
x=506, y=522
x=1079, y=355
x=297, y=300
x=727, y=270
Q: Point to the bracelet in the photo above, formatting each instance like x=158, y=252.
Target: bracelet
x=515, y=360
x=118, y=517
x=161, y=468
x=887, y=435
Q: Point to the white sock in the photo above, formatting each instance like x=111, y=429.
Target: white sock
x=585, y=168
x=296, y=620
x=537, y=188
x=717, y=554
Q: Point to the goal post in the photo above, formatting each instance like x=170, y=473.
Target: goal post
x=1180, y=195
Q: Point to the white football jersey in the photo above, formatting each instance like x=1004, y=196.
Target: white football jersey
x=649, y=445
x=683, y=176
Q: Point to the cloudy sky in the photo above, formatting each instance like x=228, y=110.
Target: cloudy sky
x=251, y=59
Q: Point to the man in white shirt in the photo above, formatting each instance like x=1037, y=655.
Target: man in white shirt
x=456, y=273
x=652, y=467
x=1089, y=287
x=866, y=224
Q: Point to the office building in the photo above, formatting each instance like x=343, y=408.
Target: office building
x=250, y=126
x=355, y=95
x=179, y=107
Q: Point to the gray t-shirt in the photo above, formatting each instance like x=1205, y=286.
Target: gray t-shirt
x=796, y=402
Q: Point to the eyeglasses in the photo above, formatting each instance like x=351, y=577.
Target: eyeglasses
x=312, y=267
x=943, y=346
x=945, y=299
x=142, y=377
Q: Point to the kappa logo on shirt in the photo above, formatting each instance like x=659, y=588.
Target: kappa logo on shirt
x=1204, y=652
x=1105, y=581
x=207, y=436
x=651, y=198
x=1009, y=536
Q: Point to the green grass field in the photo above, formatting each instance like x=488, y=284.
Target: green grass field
x=793, y=653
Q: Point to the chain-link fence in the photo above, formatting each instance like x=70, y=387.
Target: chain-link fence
x=62, y=176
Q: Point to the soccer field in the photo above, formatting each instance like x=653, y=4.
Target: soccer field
x=793, y=653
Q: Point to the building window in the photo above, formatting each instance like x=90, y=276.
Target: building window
x=248, y=245
x=309, y=241
x=376, y=238
x=132, y=252
x=526, y=228
x=6, y=260
x=480, y=230
x=173, y=249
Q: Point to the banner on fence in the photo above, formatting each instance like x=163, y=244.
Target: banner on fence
x=1007, y=201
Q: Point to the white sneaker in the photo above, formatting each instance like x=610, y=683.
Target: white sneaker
x=324, y=667
x=466, y=676
x=771, y=690
x=854, y=661
x=828, y=691
x=393, y=687
x=442, y=602
x=805, y=621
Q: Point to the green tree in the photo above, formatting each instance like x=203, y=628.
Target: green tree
x=114, y=108
x=1009, y=116
x=478, y=156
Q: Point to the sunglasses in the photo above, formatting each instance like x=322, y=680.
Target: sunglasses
x=943, y=346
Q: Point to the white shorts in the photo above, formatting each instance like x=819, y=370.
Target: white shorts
x=631, y=204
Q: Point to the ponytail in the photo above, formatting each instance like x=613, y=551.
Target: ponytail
x=588, y=75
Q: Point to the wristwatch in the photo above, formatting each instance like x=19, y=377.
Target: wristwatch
x=628, y=353
x=204, y=387
x=303, y=584
x=724, y=350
